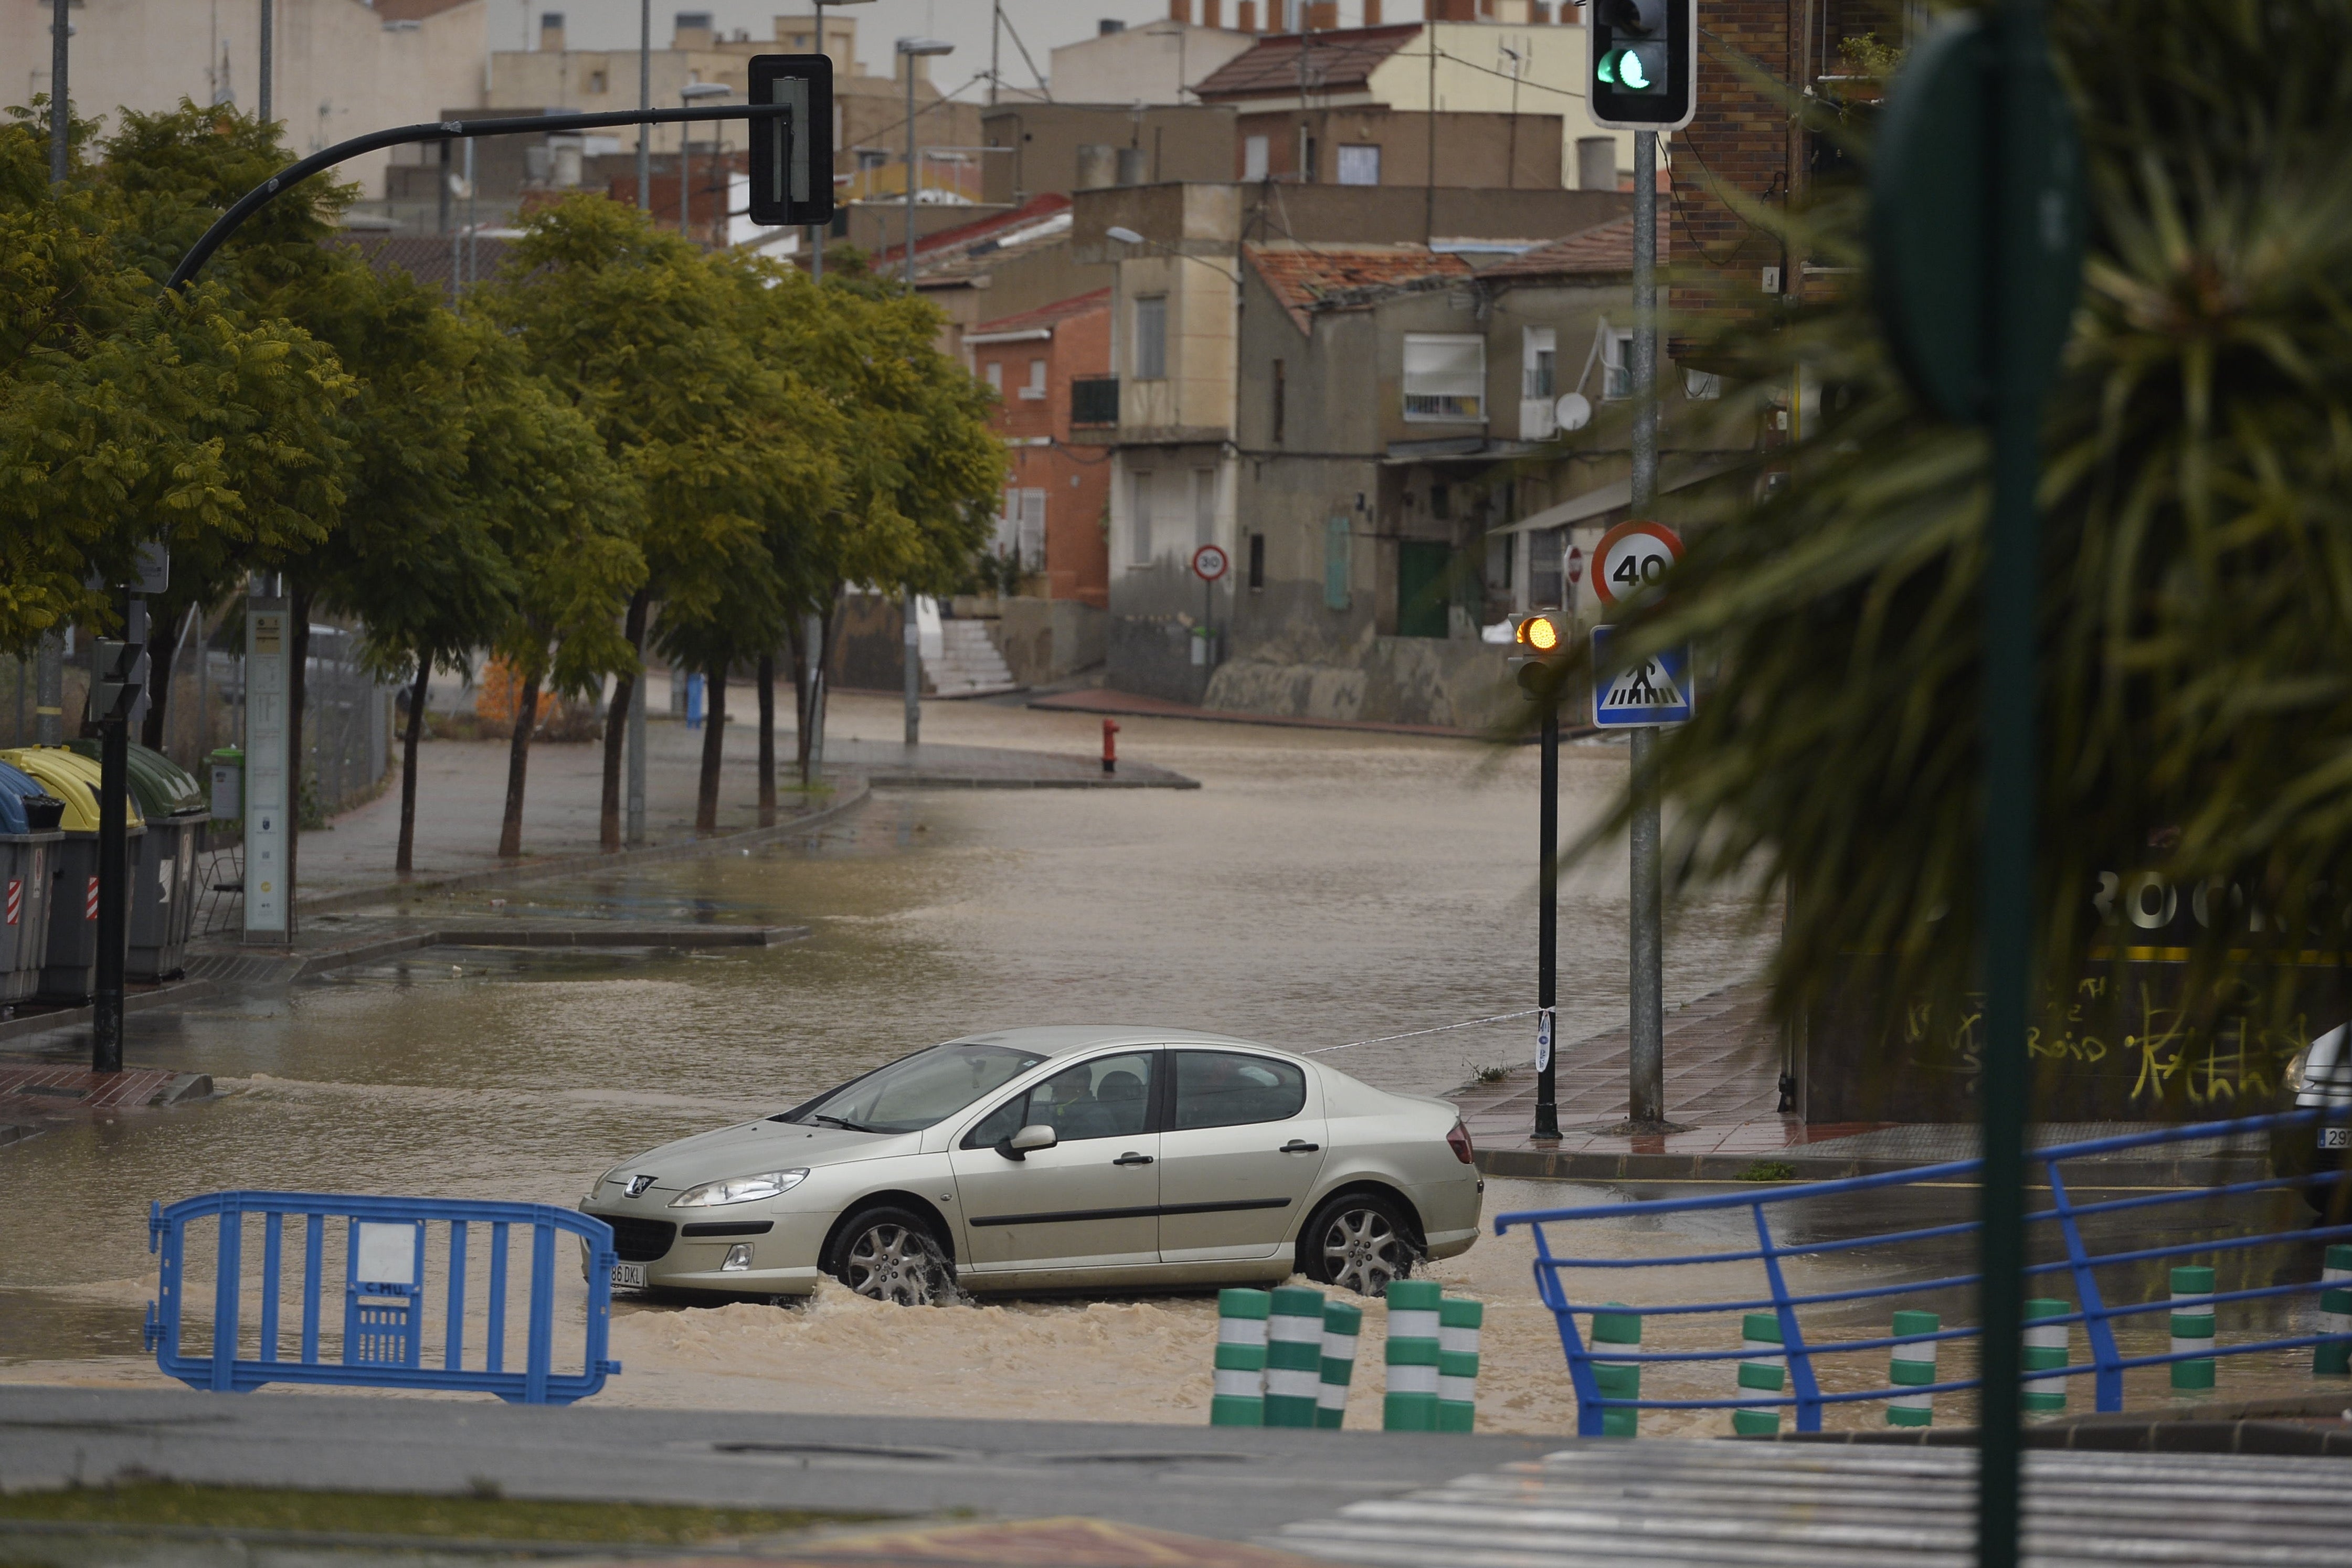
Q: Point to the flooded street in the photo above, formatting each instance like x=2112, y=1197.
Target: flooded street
x=1321, y=888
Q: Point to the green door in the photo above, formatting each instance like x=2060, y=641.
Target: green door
x=1421, y=587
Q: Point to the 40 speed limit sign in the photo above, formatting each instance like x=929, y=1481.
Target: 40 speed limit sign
x=1631, y=557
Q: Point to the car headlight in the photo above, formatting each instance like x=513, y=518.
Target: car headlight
x=2298, y=1075
x=738, y=1190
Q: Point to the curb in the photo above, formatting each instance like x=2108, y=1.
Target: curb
x=1526, y=1164
x=855, y=793
x=169, y=995
x=966, y=781
x=2116, y=1435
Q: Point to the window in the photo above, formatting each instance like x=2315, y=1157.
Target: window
x=994, y=371
x=1254, y=157
x=1307, y=165
x=1444, y=377
x=916, y=1091
x=1616, y=364
x=1139, y=519
x=1539, y=363
x=1275, y=391
x=1257, y=561
x=1336, y=574
x=1205, y=506
x=1035, y=390
x=1030, y=541
x=1225, y=1088
x=1359, y=165
x=595, y=82
x=1151, y=338
x=1441, y=500
x=1110, y=1097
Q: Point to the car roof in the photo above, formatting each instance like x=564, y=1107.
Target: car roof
x=1065, y=1039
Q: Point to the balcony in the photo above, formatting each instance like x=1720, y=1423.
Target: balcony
x=1093, y=400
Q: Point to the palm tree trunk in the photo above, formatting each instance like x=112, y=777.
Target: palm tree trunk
x=403, y=859
x=526, y=720
x=767, y=739
x=616, y=725
x=714, y=742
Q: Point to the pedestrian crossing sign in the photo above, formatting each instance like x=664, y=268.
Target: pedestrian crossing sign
x=1657, y=691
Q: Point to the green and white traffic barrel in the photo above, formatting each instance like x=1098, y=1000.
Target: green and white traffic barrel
x=1342, y=1325
x=1618, y=1379
x=1294, y=1356
x=1458, y=1322
x=1410, y=1405
x=1913, y=1366
x=1765, y=1369
x=2045, y=1349
x=2335, y=1359
x=1238, y=1396
x=2192, y=1326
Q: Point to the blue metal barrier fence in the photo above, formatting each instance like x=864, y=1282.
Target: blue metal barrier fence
x=384, y=1267
x=1606, y=1374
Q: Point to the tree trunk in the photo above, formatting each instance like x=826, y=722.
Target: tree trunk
x=767, y=739
x=616, y=725
x=800, y=695
x=714, y=743
x=518, y=763
x=823, y=681
x=298, y=610
x=403, y=859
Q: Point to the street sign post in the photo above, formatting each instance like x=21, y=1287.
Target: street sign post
x=1976, y=231
x=1209, y=564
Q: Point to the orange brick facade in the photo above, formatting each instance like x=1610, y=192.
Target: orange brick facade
x=1074, y=480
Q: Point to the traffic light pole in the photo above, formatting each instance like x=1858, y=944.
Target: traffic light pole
x=1645, y=1100
x=1547, y=927
x=113, y=857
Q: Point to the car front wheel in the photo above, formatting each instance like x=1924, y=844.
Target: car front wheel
x=889, y=1255
x=1359, y=1241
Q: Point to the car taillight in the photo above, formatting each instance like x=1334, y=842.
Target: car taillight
x=1459, y=1141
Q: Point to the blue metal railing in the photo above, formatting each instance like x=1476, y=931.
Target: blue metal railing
x=385, y=1266
x=1804, y=1391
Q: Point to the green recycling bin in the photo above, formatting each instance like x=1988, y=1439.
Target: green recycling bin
x=29, y=836
x=162, y=863
x=69, y=970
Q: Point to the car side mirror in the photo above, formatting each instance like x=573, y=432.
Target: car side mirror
x=1037, y=1135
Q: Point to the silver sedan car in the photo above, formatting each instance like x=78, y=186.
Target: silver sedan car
x=1055, y=1157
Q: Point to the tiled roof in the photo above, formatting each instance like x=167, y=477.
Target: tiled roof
x=1339, y=277
x=1045, y=315
x=967, y=247
x=1606, y=249
x=1272, y=67
x=414, y=10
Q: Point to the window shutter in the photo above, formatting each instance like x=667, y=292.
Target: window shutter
x=1444, y=377
x=1033, y=529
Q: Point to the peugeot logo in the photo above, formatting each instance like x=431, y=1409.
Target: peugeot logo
x=638, y=1184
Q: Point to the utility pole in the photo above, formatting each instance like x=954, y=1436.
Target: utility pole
x=268, y=58
x=913, y=668
x=817, y=230
x=646, y=131
x=60, y=116
x=1547, y=927
x=1645, y=1032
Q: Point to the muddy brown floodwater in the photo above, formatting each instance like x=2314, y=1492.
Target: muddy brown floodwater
x=1321, y=888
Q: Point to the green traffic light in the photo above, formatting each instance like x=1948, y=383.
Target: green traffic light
x=1630, y=72
x=1607, y=70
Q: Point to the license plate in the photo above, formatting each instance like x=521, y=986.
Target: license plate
x=629, y=1274
x=2335, y=1137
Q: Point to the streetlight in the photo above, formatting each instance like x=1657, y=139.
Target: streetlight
x=908, y=48
x=687, y=96
x=816, y=231
x=1126, y=236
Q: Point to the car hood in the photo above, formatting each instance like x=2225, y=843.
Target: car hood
x=750, y=1147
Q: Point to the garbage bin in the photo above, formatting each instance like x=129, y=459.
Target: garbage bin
x=68, y=970
x=29, y=837
x=162, y=864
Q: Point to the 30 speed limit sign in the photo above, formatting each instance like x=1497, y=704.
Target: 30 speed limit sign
x=1209, y=562
x=1631, y=557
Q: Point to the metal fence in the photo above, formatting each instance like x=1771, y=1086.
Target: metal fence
x=1781, y=1363
x=267, y=1326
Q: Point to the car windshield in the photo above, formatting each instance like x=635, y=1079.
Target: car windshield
x=916, y=1091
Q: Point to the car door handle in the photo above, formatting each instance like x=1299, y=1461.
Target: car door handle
x=1299, y=1146
x=1131, y=1158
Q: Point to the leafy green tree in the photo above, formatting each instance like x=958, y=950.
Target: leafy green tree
x=2195, y=643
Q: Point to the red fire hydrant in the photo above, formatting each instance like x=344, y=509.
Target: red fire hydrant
x=1110, y=746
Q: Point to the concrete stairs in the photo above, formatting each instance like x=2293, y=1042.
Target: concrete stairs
x=969, y=664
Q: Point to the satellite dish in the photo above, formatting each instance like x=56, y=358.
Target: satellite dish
x=1572, y=412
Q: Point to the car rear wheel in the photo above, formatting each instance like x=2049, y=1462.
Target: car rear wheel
x=890, y=1255
x=1359, y=1242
